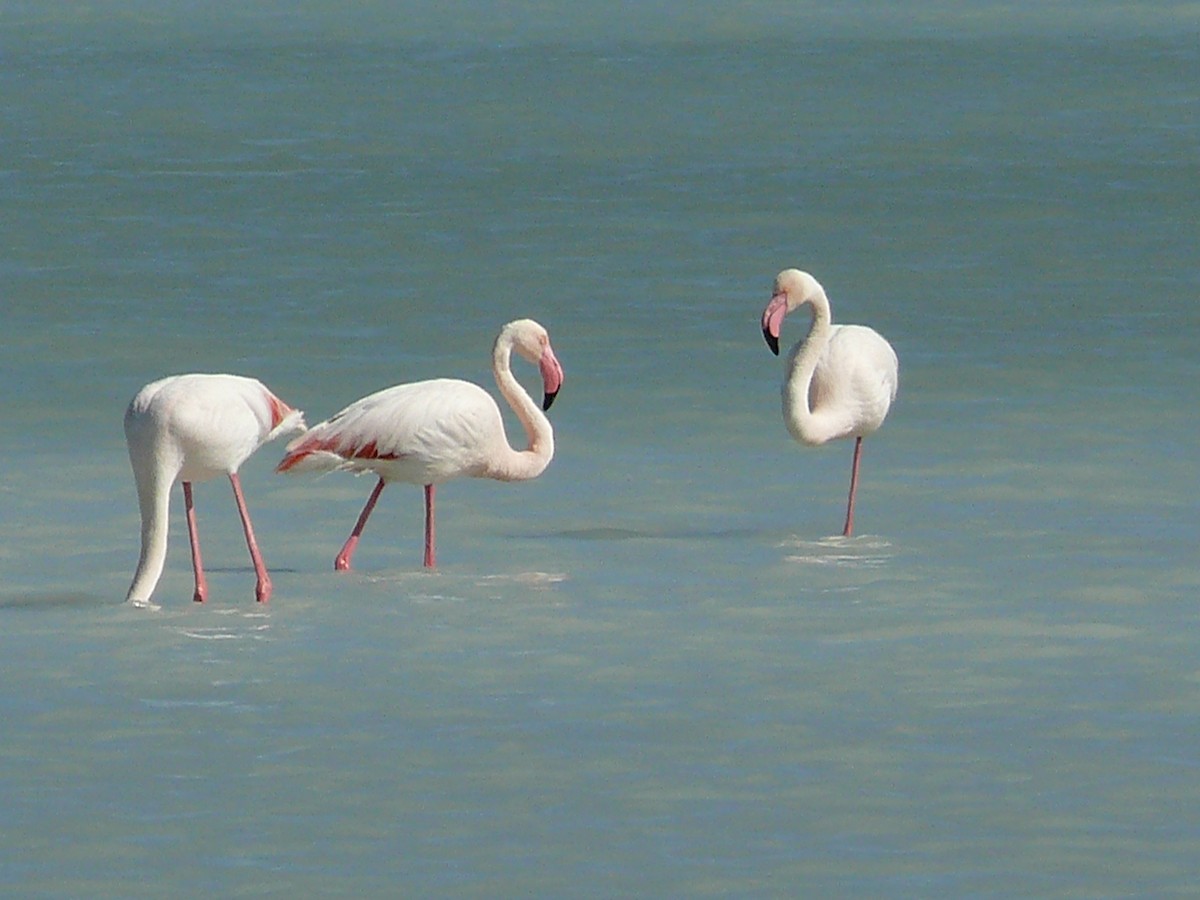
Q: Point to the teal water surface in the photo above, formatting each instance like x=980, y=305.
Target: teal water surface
x=651, y=672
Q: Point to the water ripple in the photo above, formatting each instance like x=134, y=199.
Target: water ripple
x=863, y=552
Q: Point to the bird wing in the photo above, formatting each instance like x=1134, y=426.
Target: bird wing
x=856, y=378
x=427, y=429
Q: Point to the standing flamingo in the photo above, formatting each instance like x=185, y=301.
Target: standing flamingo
x=840, y=380
x=192, y=428
x=428, y=432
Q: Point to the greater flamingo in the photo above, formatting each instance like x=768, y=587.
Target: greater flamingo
x=840, y=380
x=428, y=432
x=192, y=428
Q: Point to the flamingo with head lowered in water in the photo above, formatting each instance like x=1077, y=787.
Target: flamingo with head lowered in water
x=192, y=428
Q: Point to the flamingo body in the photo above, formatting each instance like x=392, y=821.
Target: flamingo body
x=192, y=428
x=840, y=381
x=853, y=385
x=428, y=432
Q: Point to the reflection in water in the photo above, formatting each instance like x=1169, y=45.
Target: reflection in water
x=49, y=599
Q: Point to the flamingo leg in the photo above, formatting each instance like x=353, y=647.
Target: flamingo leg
x=342, y=561
x=849, y=529
x=201, y=593
x=262, y=589
x=430, y=562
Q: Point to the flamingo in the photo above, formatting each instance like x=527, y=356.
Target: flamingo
x=427, y=432
x=192, y=428
x=840, y=380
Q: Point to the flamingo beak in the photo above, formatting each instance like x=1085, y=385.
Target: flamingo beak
x=552, y=377
x=772, y=321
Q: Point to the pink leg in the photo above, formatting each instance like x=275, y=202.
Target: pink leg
x=849, y=529
x=201, y=593
x=262, y=590
x=342, y=561
x=430, y=562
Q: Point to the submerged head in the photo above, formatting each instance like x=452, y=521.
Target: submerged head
x=532, y=343
x=793, y=288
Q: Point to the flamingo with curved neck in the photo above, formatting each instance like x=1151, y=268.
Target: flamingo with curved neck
x=839, y=381
x=428, y=432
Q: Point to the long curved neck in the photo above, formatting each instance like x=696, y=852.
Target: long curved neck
x=805, y=424
x=154, y=490
x=519, y=465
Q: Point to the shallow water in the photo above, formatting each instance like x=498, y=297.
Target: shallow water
x=651, y=672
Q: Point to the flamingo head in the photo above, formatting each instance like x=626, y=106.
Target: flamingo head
x=532, y=343
x=793, y=289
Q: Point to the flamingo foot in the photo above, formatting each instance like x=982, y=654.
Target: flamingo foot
x=341, y=562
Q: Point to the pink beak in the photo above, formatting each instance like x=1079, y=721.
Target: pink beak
x=772, y=321
x=552, y=376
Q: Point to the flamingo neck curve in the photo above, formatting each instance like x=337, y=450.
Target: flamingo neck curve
x=808, y=425
x=520, y=465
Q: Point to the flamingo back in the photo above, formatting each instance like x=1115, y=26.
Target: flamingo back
x=202, y=426
x=425, y=432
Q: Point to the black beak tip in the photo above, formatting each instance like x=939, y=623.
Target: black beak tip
x=548, y=399
x=772, y=341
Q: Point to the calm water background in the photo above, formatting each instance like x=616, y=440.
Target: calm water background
x=650, y=672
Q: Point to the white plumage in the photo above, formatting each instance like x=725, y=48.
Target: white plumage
x=839, y=381
x=428, y=432
x=190, y=428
